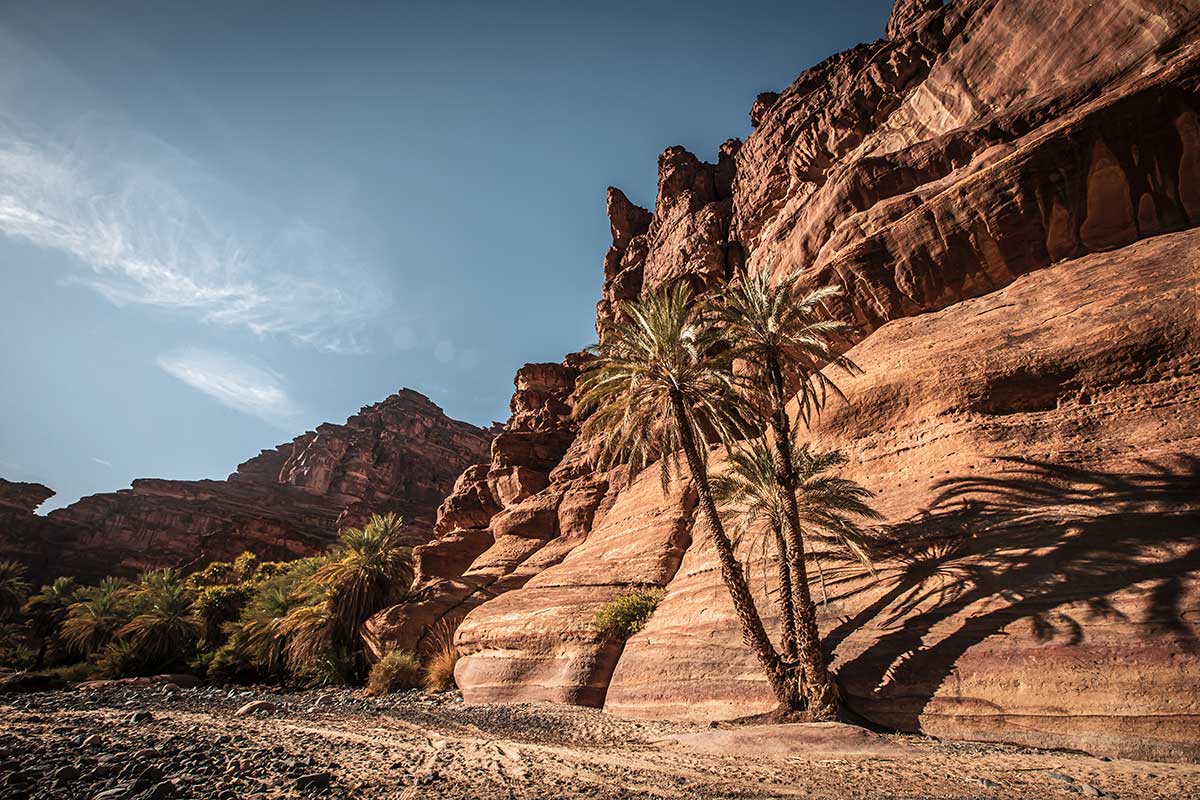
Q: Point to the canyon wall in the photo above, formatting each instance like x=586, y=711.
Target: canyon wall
x=1006, y=190
x=401, y=455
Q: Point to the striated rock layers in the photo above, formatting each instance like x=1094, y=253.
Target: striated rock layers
x=400, y=455
x=1006, y=189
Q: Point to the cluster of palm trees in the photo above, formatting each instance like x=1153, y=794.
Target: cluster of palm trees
x=241, y=619
x=674, y=373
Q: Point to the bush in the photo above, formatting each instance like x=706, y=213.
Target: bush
x=217, y=605
x=75, y=673
x=122, y=658
x=625, y=615
x=439, y=665
x=396, y=672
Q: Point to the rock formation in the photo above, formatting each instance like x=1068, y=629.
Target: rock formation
x=400, y=455
x=1005, y=190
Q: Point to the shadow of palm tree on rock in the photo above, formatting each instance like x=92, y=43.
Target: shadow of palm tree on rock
x=1040, y=542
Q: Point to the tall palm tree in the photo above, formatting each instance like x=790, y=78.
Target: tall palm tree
x=782, y=339
x=164, y=629
x=829, y=508
x=95, y=617
x=373, y=569
x=370, y=570
x=660, y=380
x=13, y=589
x=46, y=611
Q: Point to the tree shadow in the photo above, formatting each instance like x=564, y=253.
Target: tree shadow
x=1041, y=542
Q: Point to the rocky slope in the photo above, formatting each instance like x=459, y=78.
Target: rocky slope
x=400, y=455
x=1000, y=186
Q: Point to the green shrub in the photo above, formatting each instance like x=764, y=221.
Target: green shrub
x=626, y=614
x=215, y=606
x=396, y=672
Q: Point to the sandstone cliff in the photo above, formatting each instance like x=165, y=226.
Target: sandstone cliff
x=400, y=455
x=1005, y=189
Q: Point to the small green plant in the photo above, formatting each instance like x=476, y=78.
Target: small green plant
x=396, y=672
x=626, y=614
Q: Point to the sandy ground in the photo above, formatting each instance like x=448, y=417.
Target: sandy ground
x=86, y=744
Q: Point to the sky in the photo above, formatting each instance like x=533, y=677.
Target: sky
x=222, y=224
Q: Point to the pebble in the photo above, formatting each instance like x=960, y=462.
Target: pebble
x=164, y=790
x=67, y=773
x=138, y=717
x=313, y=780
x=256, y=707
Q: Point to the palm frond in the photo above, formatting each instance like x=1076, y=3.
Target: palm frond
x=656, y=350
x=777, y=323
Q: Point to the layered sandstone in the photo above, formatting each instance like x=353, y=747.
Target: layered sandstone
x=995, y=185
x=506, y=520
x=401, y=455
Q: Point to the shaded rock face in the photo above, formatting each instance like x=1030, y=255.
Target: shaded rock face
x=400, y=455
x=999, y=186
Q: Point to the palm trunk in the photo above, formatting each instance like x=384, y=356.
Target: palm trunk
x=787, y=606
x=754, y=635
x=818, y=688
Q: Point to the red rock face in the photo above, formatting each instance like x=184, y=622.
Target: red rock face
x=995, y=185
x=400, y=455
x=22, y=498
x=1034, y=453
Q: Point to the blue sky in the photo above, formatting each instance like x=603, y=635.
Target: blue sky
x=221, y=224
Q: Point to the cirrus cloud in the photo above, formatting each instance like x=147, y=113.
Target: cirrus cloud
x=234, y=384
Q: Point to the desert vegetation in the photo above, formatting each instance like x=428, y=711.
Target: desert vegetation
x=627, y=613
x=294, y=623
x=674, y=374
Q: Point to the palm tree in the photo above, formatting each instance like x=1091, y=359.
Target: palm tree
x=371, y=570
x=13, y=589
x=828, y=507
x=374, y=569
x=660, y=379
x=782, y=340
x=95, y=617
x=257, y=635
x=46, y=611
x=164, y=628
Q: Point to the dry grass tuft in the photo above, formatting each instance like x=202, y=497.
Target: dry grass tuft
x=398, y=671
x=441, y=660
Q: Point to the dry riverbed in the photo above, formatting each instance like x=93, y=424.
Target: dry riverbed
x=141, y=742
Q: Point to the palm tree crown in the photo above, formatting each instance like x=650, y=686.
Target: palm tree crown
x=829, y=506
x=774, y=328
x=95, y=617
x=659, y=351
x=13, y=588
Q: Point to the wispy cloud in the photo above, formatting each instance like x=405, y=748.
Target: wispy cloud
x=101, y=461
x=234, y=383
x=146, y=225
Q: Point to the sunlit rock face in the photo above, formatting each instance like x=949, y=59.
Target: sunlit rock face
x=401, y=455
x=1006, y=190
